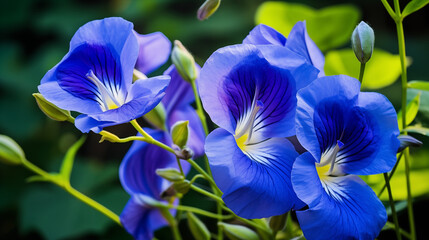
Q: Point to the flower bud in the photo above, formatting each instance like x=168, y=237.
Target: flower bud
x=156, y=116
x=10, y=152
x=207, y=9
x=198, y=229
x=171, y=174
x=237, y=232
x=52, y=111
x=184, y=62
x=363, y=42
x=180, y=133
x=407, y=141
x=105, y=135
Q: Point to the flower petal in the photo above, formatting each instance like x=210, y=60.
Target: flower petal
x=141, y=220
x=137, y=170
x=341, y=87
x=256, y=184
x=236, y=76
x=154, y=50
x=299, y=42
x=346, y=206
x=264, y=35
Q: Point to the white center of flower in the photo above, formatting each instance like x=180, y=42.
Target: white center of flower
x=108, y=101
x=326, y=167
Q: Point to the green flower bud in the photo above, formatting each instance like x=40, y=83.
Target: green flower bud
x=237, y=232
x=52, y=111
x=180, y=133
x=207, y=9
x=198, y=229
x=171, y=174
x=156, y=116
x=363, y=42
x=184, y=62
x=105, y=135
x=10, y=152
x=182, y=187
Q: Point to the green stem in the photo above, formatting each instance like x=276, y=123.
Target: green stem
x=392, y=206
x=180, y=166
x=65, y=184
x=200, y=212
x=247, y=221
x=149, y=139
x=171, y=221
x=204, y=192
x=200, y=110
x=201, y=171
x=362, y=70
x=389, y=9
x=391, y=174
x=402, y=231
x=403, y=56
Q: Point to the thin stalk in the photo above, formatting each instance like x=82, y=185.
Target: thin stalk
x=362, y=70
x=171, y=221
x=65, y=184
x=200, y=110
x=392, y=206
x=391, y=174
x=247, y=221
x=180, y=166
x=200, y=212
x=389, y=9
x=204, y=192
x=402, y=231
x=149, y=139
x=201, y=171
x=403, y=56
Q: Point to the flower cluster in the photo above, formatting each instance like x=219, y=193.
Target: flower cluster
x=289, y=137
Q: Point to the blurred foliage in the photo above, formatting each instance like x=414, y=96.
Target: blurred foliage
x=36, y=34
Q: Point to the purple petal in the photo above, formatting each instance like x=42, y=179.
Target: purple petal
x=154, y=50
x=179, y=93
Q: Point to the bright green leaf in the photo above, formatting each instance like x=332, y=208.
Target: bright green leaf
x=412, y=110
x=413, y=6
x=67, y=164
x=329, y=27
x=421, y=85
x=417, y=129
x=381, y=71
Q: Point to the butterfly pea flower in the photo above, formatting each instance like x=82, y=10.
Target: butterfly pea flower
x=347, y=133
x=95, y=77
x=298, y=41
x=138, y=177
x=250, y=93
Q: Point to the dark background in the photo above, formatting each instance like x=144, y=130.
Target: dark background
x=35, y=35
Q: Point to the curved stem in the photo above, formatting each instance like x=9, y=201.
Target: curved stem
x=391, y=174
x=204, y=192
x=392, y=206
x=362, y=70
x=200, y=212
x=65, y=184
x=389, y=9
x=202, y=172
x=149, y=139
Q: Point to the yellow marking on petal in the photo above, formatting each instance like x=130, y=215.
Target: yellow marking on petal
x=323, y=171
x=241, y=141
x=112, y=106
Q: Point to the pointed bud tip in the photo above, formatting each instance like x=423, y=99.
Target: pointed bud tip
x=207, y=9
x=363, y=41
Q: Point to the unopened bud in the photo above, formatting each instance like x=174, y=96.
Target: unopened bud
x=105, y=135
x=156, y=116
x=171, y=174
x=198, y=229
x=10, y=152
x=184, y=62
x=207, y=9
x=237, y=232
x=180, y=133
x=363, y=42
x=52, y=111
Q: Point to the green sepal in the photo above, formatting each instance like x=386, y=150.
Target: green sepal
x=170, y=174
x=237, y=232
x=277, y=223
x=182, y=187
x=10, y=152
x=184, y=62
x=156, y=117
x=67, y=165
x=180, y=133
x=51, y=110
x=198, y=229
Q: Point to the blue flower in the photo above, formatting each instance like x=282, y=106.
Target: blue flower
x=95, y=76
x=346, y=133
x=177, y=103
x=298, y=42
x=249, y=91
x=138, y=177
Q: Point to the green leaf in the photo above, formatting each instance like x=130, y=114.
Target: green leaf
x=198, y=229
x=412, y=110
x=381, y=71
x=420, y=85
x=237, y=232
x=417, y=129
x=329, y=27
x=67, y=165
x=413, y=6
x=55, y=214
